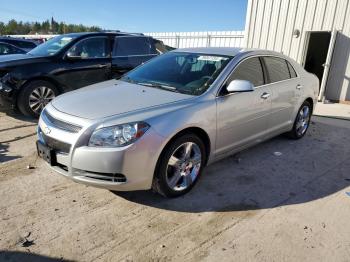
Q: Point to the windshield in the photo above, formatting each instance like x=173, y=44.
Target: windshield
x=188, y=73
x=52, y=46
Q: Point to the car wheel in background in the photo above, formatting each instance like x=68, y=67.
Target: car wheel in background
x=302, y=121
x=180, y=166
x=35, y=96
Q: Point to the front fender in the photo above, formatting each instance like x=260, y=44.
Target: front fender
x=199, y=115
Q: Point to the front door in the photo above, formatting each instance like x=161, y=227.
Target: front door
x=242, y=118
x=86, y=63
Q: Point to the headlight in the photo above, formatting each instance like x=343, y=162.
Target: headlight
x=117, y=136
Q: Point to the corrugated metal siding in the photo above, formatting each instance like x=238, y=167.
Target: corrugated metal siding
x=270, y=25
x=201, y=39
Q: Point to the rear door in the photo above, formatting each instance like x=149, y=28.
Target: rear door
x=91, y=63
x=284, y=85
x=242, y=118
x=129, y=52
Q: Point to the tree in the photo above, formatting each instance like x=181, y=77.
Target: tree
x=2, y=28
x=46, y=27
x=11, y=27
x=36, y=27
x=61, y=28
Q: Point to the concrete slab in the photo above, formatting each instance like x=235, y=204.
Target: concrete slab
x=335, y=110
x=254, y=206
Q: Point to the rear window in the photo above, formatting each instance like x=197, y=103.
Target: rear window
x=131, y=45
x=277, y=69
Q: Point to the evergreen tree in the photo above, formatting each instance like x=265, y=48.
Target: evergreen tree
x=14, y=27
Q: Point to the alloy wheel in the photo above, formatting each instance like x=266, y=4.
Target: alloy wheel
x=183, y=166
x=303, y=120
x=40, y=97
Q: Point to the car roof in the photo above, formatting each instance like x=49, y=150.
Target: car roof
x=102, y=33
x=227, y=51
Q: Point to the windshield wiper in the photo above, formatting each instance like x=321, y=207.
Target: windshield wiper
x=159, y=85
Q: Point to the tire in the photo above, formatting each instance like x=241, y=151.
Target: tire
x=40, y=91
x=301, y=122
x=185, y=169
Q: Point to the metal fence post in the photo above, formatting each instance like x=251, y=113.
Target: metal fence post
x=177, y=41
x=208, y=40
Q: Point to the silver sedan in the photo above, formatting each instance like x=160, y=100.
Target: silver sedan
x=162, y=123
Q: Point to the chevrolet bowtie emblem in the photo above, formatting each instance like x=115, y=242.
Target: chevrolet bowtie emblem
x=47, y=130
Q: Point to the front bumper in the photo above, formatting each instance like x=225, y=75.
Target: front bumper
x=122, y=169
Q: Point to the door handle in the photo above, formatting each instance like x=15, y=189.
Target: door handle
x=298, y=86
x=102, y=65
x=265, y=95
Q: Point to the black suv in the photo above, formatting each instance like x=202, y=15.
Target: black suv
x=67, y=62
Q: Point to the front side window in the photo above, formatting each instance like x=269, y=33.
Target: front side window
x=188, y=73
x=4, y=49
x=277, y=69
x=131, y=45
x=52, y=46
x=250, y=70
x=93, y=47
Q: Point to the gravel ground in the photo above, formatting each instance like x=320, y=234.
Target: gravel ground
x=258, y=205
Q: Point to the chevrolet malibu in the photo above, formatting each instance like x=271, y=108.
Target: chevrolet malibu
x=163, y=122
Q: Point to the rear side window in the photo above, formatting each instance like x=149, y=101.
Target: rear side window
x=277, y=69
x=292, y=72
x=250, y=70
x=131, y=45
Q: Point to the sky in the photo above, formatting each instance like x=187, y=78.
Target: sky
x=133, y=15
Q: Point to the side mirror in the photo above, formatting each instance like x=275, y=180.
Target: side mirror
x=240, y=86
x=72, y=56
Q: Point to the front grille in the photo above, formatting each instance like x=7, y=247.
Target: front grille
x=61, y=124
x=55, y=144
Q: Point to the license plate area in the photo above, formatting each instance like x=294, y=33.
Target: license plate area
x=46, y=153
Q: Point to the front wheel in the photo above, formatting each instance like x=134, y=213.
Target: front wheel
x=35, y=96
x=302, y=121
x=180, y=166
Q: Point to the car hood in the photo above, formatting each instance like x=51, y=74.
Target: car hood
x=113, y=97
x=19, y=59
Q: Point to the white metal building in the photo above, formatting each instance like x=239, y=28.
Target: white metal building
x=316, y=33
